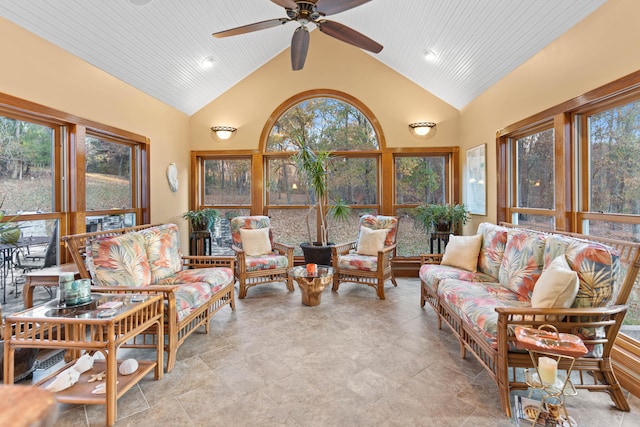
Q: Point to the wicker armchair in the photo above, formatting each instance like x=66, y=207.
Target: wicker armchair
x=253, y=268
x=368, y=269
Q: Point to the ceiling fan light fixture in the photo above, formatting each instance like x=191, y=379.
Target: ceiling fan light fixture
x=429, y=55
x=422, y=129
x=306, y=12
x=140, y=2
x=223, y=133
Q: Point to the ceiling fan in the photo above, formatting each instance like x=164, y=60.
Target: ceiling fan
x=305, y=12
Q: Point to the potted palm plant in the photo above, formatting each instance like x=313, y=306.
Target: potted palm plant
x=312, y=170
x=441, y=218
x=201, y=219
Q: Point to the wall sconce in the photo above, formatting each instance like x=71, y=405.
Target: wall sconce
x=422, y=129
x=223, y=133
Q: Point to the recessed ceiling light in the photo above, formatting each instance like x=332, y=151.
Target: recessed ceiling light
x=429, y=55
x=140, y=2
x=208, y=62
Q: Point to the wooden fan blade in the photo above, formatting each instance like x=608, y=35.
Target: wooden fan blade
x=299, y=48
x=349, y=35
x=289, y=4
x=330, y=7
x=251, y=27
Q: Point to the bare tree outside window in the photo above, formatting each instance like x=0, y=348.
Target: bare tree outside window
x=26, y=166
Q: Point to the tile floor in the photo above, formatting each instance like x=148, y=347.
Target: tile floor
x=351, y=361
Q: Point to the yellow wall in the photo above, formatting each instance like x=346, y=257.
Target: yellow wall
x=35, y=70
x=601, y=48
x=394, y=100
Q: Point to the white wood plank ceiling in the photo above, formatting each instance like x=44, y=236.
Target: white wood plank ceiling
x=158, y=47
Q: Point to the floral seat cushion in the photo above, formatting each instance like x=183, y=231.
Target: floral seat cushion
x=266, y=262
x=216, y=277
x=432, y=274
x=355, y=261
x=190, y=297
x=476, y=304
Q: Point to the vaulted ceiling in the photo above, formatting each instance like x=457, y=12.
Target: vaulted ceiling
x=158, y=46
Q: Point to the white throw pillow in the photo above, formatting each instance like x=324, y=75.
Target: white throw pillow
x=462, y=252
x=556, y=287
x=371, y=241
x=256, y=241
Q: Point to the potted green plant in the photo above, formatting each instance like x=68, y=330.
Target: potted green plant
x=312, y=170
x=441, y=218
x=201, y=219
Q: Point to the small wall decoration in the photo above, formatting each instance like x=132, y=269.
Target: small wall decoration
x=172, y=177
x=476, y=180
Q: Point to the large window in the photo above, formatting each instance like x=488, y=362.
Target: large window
x=27, y=166
x=533, y=178
x=62, y=177
x=612, y=146
x=362, y=172
x=110, y=183
x=580, y=172
x=353, y=176
x=419, y=179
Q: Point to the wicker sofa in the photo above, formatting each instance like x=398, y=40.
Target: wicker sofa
x=147, y=258
x=483, y=305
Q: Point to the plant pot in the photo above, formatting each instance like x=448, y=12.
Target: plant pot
x=10, y=237
x=443, y=227
x=316, y=253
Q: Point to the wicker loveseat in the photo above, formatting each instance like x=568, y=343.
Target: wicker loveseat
x=147, y=258
x=483, y=307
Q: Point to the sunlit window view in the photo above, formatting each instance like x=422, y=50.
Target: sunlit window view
x=324, y=124
x=614, y=162
x=535, y=185
x=108, y=174
x=418, y=180
x=26, y=166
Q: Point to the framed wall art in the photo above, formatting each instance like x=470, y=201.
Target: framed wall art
x=476, y=180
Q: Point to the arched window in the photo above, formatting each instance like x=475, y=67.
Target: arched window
x=324, y=122
x=362, y=173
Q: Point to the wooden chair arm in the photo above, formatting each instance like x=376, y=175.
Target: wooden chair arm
x=282, y=248
x=387, y=249
x=567, y=320
x=208, y=261
x=343, y=248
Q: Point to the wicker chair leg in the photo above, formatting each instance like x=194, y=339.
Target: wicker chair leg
x=336, y=282
x=380, y=289
x=171, y=356
x=232, y=293
x=615, y=391
x=243, y=289
x=290, y=283
x=505, y=400
x=393, y=279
